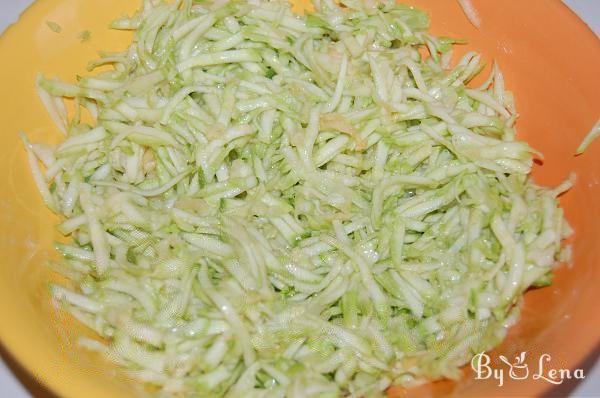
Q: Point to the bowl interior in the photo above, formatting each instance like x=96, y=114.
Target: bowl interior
x=550, y=60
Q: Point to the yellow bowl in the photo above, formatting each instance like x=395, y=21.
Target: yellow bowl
x=551, y=62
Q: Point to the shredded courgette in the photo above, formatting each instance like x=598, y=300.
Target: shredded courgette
x=263, y=204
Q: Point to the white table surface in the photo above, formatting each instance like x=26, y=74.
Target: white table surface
x=14, y=383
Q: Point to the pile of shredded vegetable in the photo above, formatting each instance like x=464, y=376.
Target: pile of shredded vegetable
x=262, y=204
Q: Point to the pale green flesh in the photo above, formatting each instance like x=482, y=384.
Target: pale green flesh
x=270, y=205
